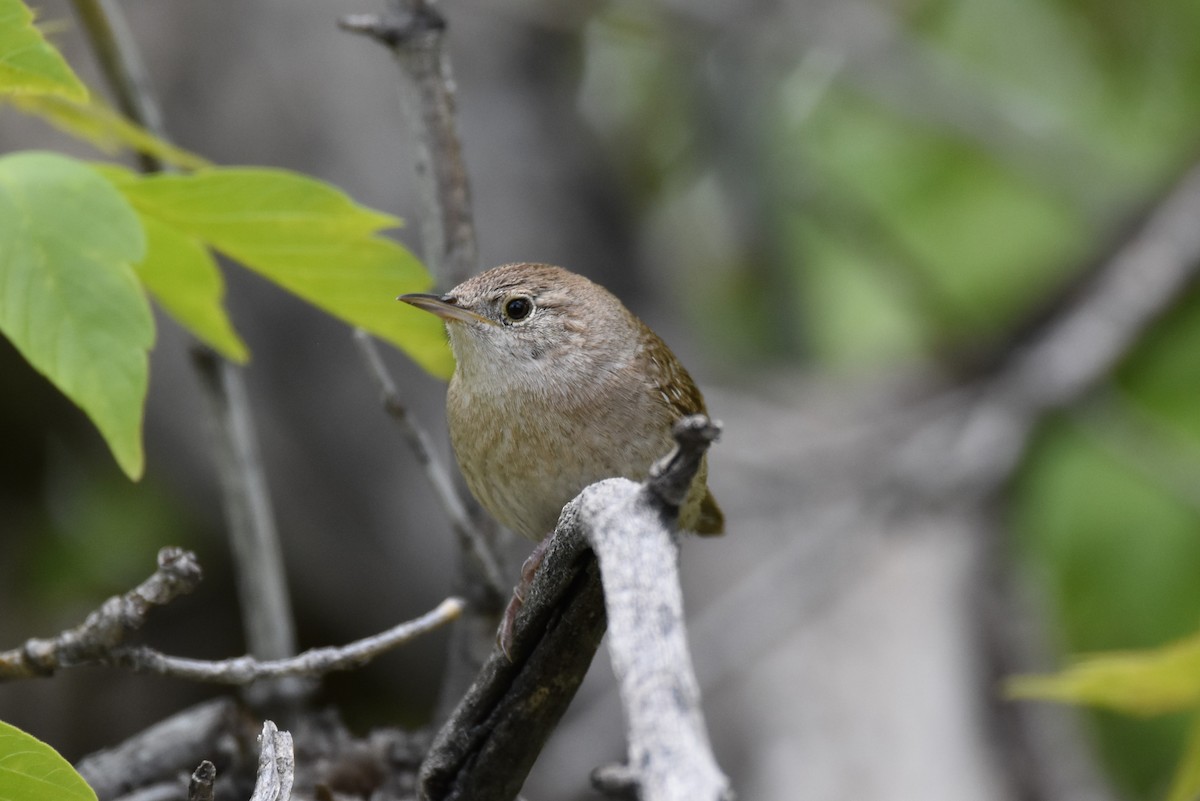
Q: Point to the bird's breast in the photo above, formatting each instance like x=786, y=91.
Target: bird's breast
x=526, y=454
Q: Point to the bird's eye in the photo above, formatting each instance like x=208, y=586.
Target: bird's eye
x=518, y=308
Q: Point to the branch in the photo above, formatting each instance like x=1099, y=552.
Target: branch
x=1140, y=281
x=471, y=540
x=123, y=68
x=258, y=555
x=178, y=573
x=165, y=749
x=312, y=663
x=669, y=756
x=486, y=748
x=99, y=639
x=414, y=32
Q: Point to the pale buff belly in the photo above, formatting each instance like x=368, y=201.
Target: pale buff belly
x=526, y=469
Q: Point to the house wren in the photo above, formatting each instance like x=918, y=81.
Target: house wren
x=558, y=386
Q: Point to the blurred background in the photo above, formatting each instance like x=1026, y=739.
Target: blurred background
x=829, y=209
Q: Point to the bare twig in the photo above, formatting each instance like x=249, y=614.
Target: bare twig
x=167, y=748
x=266, y=609
x=310, y=664
x=487, y=747
x=453, y=504
x=122, y=66
x=258, y=555
x=276, y=765
x=414, y=33
x=178, y=574
x=99, y=639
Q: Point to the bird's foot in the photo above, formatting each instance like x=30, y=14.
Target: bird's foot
x=504, y=637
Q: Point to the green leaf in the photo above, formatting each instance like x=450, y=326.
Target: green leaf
x=69, y=299
x=30, y=770
x=1185, y=785
x=1147, y=682
x=310, y=239
x=29, y=65
x=184, y=278
x=106, y=129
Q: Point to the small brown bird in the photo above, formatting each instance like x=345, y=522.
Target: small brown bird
x=557, y=386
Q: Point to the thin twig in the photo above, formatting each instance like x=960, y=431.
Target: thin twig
x=123, y=68
x=266, y=609
x=453, y=504
x=414, y=32
x=178, y=573
x=312, y=663
x=258, y=555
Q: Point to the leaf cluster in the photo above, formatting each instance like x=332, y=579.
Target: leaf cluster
x=85, y=246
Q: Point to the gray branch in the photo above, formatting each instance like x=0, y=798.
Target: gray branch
x=178, y=574
x=312, y=663
x=486, y=748
x=171, y=747
x=123, y=69
x=414, y=31
x=99, y=640
x=258, y=555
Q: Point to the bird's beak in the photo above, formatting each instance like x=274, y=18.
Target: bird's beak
x=446, y=307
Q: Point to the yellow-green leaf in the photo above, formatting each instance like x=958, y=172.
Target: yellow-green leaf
x=1185, y=785
x=310, y=239
x=106, y=129
x=30, y=770
x=29, y=65
x=1148, y=682
x=181, y=274
x=69, y=299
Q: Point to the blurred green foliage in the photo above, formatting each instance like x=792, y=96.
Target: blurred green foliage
x=911, y=183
